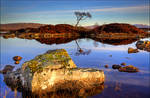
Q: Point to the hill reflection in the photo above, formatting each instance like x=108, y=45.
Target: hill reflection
x=50, y=41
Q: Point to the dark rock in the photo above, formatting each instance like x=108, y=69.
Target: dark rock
x=131, y=50
x=129, y=68
x=7, y=68
x=17, y=58
x=116, y=66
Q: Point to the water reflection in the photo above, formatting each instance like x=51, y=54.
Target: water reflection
x=99, y=56
x=58, y=94
x=64, y=38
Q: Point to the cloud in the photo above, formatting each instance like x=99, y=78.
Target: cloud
x=122, y=9
x=62, y=12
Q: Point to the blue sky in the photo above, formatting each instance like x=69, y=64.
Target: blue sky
x=62, y=11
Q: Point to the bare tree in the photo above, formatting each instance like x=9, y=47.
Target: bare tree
x=82, y=16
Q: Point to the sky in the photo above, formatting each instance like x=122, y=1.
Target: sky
x=62, y=11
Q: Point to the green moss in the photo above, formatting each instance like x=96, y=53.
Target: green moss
x=52, y=57
x=33, y=65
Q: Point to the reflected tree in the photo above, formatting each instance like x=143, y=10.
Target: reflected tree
x=82, y=51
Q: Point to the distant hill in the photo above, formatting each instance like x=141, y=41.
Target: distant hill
x=16, y=26
x=141, y=26
x=59, y=28
x=91, y=27
x=66, y=28
x=118, y=28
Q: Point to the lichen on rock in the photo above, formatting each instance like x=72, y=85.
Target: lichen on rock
x=56, y=59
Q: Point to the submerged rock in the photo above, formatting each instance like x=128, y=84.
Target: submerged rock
x=54, y=71
x=131, y=50
x=129, y=68
x=143, y=45
x=7, y=68
x=106, y=66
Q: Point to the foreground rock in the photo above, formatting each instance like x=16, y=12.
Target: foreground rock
x=52, y=72
x=129, y=68
x=131, y=50
x=143, y=45
x=66, y=79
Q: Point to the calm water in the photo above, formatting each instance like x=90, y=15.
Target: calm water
x=117, y=84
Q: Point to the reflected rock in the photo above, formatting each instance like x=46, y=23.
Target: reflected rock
x=16, y=62
x=129, y=68
x=131, y=50
x=54, y=71
x=116, y=66
x=7, y=68
x=143, y=45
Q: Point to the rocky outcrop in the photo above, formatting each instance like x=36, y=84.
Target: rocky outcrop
x=54, y=71
x=143, y=45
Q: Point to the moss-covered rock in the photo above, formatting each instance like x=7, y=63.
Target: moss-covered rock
x=55, y=59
